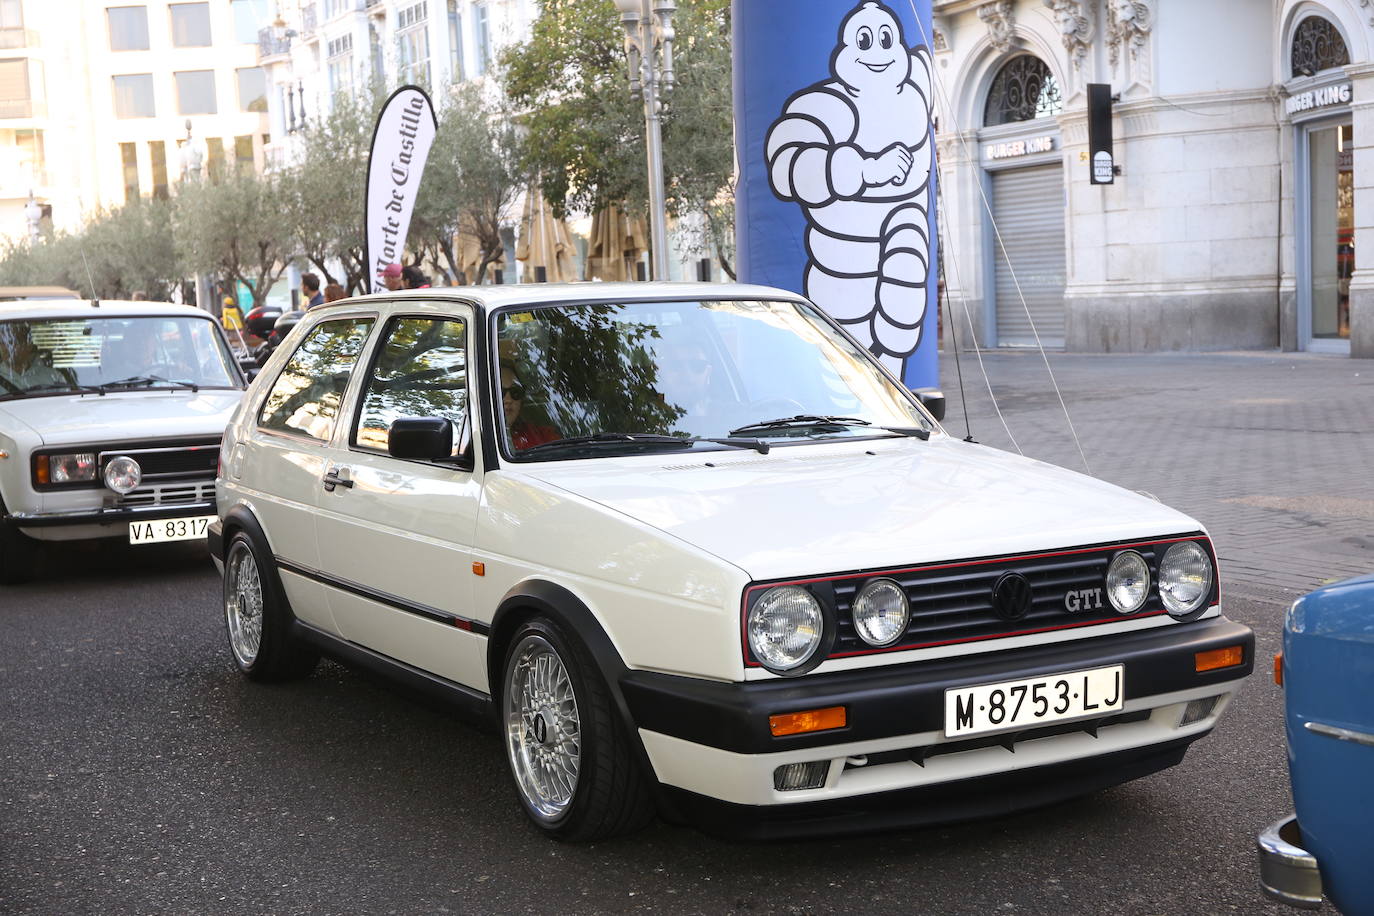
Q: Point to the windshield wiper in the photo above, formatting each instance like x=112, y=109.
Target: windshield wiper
x=803, y=420
x=642, y=439
x=60, y=387
x=149, y=380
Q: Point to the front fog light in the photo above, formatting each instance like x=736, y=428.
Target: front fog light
x=123, y=475
x=1185, y=578
x=796, y=776
x=1128, y=582
x=785, y=627
x=880, y=612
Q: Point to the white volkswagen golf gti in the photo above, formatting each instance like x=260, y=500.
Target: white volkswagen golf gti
x=694, y=551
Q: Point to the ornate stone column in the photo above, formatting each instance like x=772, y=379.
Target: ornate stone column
x=1362, y=283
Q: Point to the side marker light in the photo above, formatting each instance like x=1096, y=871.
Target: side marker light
x=1278, y=668
x=479, y=569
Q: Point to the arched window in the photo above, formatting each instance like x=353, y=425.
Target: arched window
x=1023, y=90
x=1317, y=46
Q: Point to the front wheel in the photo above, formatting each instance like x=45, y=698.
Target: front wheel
x=570, y=756
x=258, y=619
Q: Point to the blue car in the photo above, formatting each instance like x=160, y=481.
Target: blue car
x=1327, y=672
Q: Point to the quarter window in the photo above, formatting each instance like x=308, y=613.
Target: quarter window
x=305, y=398
x=421, y=371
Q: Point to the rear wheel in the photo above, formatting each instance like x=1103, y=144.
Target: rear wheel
x=569, y=754
x=258, y=619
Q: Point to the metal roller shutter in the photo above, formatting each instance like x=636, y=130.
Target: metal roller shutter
x=1028, y=205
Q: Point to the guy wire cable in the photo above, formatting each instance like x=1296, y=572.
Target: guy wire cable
x=987, y=206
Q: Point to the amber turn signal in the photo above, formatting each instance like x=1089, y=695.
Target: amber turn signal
x=812, y=720
x=1278, y=668
x=479, y=568
x=1219, y=658
x=40, y=469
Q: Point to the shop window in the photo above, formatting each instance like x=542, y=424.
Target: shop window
x=243, y=153
x=214, y=159
x=128, y=28
x=1317, y=46
x=1023, y=90
x=128, y=155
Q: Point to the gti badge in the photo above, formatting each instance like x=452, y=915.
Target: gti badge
x=1011, y=596
x=1083, y=599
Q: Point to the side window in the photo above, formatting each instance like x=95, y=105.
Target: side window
x=420, y=371
x=305, y=398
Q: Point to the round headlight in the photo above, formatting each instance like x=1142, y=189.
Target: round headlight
x=123, y=475
x=785, y=627
x=1128, y=582
x=1185, y=578
x=880, y=612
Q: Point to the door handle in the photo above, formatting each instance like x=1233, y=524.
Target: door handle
x=332, y=480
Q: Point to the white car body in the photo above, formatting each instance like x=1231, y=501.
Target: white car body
x=414, y=567
x=118, y=421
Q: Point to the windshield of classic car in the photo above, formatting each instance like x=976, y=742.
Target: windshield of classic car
x=55, y=356
x=688, y=370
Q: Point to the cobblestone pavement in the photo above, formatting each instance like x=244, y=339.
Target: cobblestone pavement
x=1272, y=452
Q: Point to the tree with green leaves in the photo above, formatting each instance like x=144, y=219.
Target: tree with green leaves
x=472, y=180
x=234, y=228
x=585, y=135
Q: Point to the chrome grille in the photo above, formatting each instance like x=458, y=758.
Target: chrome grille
x=192, y=460
x=170, y=493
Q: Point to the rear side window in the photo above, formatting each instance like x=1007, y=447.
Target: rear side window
x=305, y=398
x=420, y=371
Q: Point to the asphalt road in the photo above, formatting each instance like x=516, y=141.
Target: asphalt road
x=139, y=773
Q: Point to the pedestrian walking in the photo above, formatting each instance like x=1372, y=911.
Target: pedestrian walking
x=391, y=276
x=333, y=292
x=310, y=287
x=413, y=278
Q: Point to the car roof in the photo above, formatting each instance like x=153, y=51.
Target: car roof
x=103, y=308
x=534, y=294
x=10, y=293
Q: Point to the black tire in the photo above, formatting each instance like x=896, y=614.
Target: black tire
x=609, y=794
x=257, y=617
x=18, y=553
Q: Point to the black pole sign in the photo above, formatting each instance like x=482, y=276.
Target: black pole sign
x=1101, y=166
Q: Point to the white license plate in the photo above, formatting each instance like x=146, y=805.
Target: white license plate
x=169, y=529
x=1033, y=701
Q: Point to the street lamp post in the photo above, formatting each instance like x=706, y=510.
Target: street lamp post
x=649, y=47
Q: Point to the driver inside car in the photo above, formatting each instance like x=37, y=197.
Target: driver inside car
x=22, y=365
x=523, y=432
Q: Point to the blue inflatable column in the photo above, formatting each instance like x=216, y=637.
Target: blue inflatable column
x=837, y=167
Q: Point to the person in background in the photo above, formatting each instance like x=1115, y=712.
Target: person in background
x=333, y=292
x=310, y=287
x=138, y=295
x=413, y=278
x=391, y=276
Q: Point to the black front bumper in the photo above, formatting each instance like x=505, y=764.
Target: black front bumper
x=909, y=699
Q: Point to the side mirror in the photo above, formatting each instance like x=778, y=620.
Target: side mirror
x=420, y=438
x=933, y=400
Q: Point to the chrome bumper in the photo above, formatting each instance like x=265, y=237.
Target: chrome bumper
x=1288, y=873
x=110, y=516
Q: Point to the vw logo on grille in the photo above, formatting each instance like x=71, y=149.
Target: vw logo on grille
x=1011, y=596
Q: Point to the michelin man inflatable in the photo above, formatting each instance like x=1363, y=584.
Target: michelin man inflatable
x=855, y=152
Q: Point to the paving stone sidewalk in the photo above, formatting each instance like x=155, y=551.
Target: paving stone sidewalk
x=1273, y=452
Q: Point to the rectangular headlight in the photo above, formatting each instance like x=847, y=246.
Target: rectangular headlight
x=78, y=467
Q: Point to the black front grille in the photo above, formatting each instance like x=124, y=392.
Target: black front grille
x=953, y=602
x=190, y=461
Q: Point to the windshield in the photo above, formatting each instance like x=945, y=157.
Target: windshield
x=54, y=356
x=688, y=369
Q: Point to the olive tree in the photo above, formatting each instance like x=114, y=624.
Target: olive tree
x=235, y=228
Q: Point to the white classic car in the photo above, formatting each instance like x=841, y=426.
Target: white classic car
x=696, y=552
x=110, y=421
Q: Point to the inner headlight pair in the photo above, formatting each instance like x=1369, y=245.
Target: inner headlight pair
x=1185, y=579
x=787, y=624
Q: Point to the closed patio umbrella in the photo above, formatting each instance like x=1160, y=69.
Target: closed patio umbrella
x=616, y=245
x=468, y=250
x=544, y=242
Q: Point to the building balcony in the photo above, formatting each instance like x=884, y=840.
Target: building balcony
x=270, y=46
x=309, y=20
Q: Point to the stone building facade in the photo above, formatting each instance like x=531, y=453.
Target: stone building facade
x=1244, y=145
